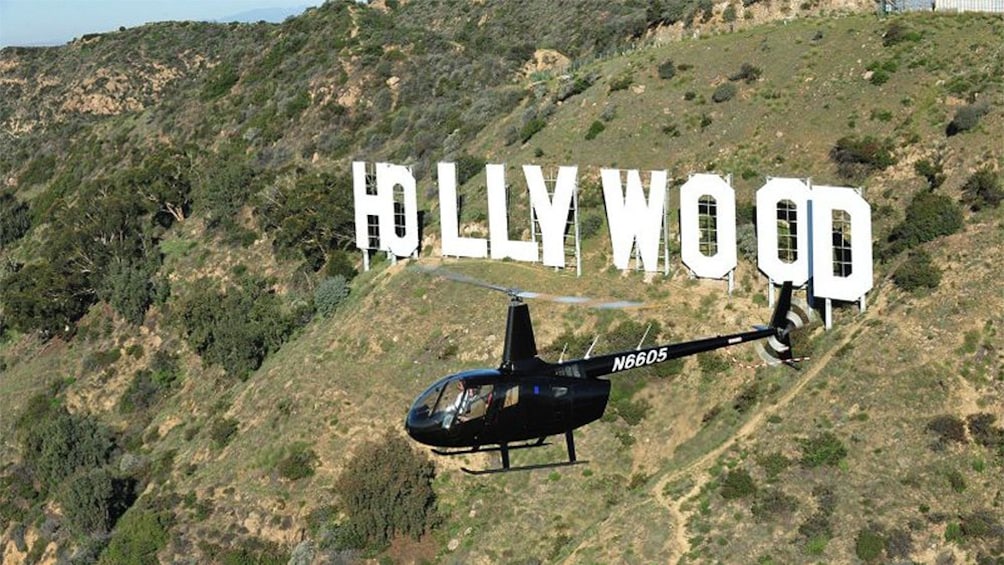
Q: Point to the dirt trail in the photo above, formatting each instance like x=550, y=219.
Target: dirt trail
x=679, y=544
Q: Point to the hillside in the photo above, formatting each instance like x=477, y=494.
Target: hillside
x=190, y=359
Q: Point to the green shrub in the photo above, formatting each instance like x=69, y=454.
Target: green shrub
x=220, y=80
x=137, y=538
x=928, y=216
x=917, y=272
x=965, y=119
x=983, y=189
x=236, y=329
x=128, y=289
x=222, y=430
x=712, y=363
x=898, y=32
x=46, y=297
x=467, y=167
x=984, y=432
x=387, y=491
x=949, y=428
x=330, y=294
x=725, y=92
x=737, y=483
x=149, y=385
x=956, y=480
x=631, y=411
x=298, y=463
x=575, y=85
x=621, y=82
x=856, y=157
x=982, y=524
x=591, y=224
x=879, y=77
x=869, y=545
x=932, y=171
x=773, y=463
x=531, y=128
x=747, y=73
x=667, y=70
x=746, y=398
x=822, y=449
x=595, y=129
x=771, y=503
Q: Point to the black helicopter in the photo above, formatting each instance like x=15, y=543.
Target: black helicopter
x=526, y=399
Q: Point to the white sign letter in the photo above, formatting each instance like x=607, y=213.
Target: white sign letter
x=552, y=216
x=498, y=220
x=719, y=224
x=632, y=219
x=841, y=269
x=365, y=205
x=453, y=244
x=782, y=221
x=387, y=177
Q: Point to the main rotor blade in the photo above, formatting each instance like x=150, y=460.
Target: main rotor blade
x=521, y=294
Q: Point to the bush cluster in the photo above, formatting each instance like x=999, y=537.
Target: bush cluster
x=983, y=189
x=235, y=329
x=297, y=463
x=856, y=157
x=725, y=92
x=822, y=449
x=917, y=272
x=965, y=119
x=747, y=73
x=737, y=483
x=595, y=129
x=330, y=294
x=56, y=444
x=149, y=385
x=772, y=502
x=667, y=70
x=386, y=491
x=928, y=216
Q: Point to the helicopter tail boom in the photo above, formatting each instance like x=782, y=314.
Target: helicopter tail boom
x=777, y=333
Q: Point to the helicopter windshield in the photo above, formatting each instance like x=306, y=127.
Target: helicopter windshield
x=450, y=401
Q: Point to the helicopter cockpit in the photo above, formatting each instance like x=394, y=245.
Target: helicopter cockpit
x=451, y=401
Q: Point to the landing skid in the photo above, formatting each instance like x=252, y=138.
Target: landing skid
x=504, y=448
x=483, y=449
x=477, y=472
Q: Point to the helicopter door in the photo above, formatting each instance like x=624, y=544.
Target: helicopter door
x=562, y=404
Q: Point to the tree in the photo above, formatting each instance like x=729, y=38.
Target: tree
x=93, y=500
x=15, y=220
x=386, y=490
x=313, y=217
x=56, y=444
x=163, y=179
x=46, y=297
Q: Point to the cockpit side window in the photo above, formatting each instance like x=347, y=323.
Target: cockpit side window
x=474, y=402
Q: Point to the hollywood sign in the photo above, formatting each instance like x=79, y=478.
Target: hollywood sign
x=826, y=229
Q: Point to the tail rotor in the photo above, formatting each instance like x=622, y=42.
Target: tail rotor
x=777, y=349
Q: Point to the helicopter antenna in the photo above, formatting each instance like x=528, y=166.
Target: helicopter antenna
x=589, y=352
x=561, y=358
x=649, y=328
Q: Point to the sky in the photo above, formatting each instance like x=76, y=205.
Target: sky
x=54, y=22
